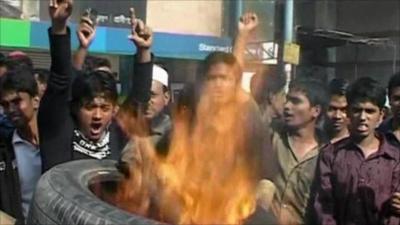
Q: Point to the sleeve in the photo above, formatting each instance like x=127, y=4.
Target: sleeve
x=54, y=117
x=324, y=203
x=389, y=217
x=141, y=82
x=54, y=105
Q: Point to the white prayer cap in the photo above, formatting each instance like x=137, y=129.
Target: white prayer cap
x=160, y=75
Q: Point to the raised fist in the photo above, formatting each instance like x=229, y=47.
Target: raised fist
x=86, y=32
x=247, y=23
x=141, y=34
x=60, y=10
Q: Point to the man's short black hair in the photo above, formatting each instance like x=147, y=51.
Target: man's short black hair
x=93, y=62
x=338, y=87
x=313, y=89
x=366, y=89
x=19, y=80
x=42, y=75
x=12, y=62
x=223, y=57
x=88, y=86
x=394, y=83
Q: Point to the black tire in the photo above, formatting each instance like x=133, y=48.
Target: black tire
x=63, y=197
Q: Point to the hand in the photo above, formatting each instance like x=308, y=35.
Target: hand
x=141, y=34
x=60, y=11
x=247, y=23
x=395, y=203
x=85, y=33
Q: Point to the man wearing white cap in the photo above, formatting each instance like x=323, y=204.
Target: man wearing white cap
x=159, y=94
x=160, y=122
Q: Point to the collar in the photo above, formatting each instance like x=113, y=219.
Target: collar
x=385, y=148
x=388, y=149
x=16, y=139
x=311, y=154
x=102, y=141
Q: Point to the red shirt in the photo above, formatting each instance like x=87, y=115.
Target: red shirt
x=355, y=190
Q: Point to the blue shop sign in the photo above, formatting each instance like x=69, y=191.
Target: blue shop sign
x=111, y=40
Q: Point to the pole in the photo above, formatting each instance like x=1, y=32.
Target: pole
x=288, y=37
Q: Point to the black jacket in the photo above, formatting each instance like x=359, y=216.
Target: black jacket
x=56, y=124
x=10, y=194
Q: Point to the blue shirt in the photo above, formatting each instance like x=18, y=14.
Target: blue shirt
x=29, y=166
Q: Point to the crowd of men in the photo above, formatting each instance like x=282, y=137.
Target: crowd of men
x=331, y=156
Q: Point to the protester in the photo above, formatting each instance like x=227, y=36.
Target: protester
x=20, y=155
x=294, y=152
x=155, y=114
x=228, y=121
x=337, y=121
x=84, y=127
x=14, y=61
x=358, y=174
x=391, y=127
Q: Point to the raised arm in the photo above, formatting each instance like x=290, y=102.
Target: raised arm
x=54, y=110
x=133, y=107
x=142, y=37
x=55, y=100
x=246, y=27
x=86, y=33
x=59, y=36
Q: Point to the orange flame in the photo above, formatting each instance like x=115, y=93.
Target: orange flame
x=210, y=173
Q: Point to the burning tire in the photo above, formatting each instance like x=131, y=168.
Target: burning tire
x=63, y=196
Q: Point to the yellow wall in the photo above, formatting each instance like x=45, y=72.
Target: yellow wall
x=202, y=17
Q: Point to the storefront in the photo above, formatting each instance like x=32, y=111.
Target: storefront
x=185, y=31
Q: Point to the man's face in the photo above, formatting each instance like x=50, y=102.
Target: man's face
x=337, y=113
x=298, y=111
x=158, y=101
x=221, y=83
x=95, y=116
x=20, y=107
x=395, y=102
x=364, y=118
x=41, y=88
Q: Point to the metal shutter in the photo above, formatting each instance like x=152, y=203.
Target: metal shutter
x=40, y=58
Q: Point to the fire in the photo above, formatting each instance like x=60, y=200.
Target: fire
x=209, y=175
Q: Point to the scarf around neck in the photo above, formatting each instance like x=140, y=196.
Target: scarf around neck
x=98, y=150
